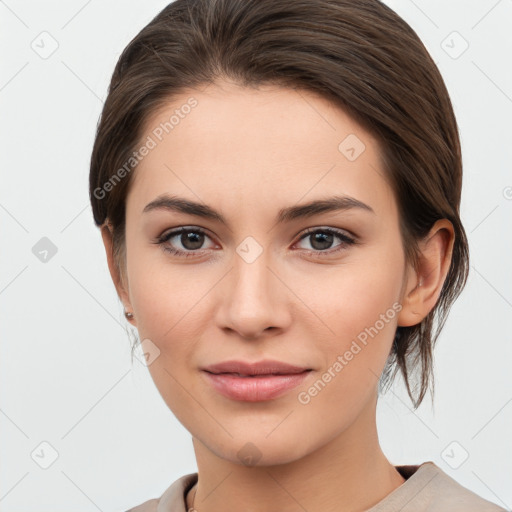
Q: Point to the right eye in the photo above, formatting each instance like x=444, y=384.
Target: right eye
x=191, y=240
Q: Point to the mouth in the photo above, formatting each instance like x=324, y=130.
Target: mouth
x=255, y=388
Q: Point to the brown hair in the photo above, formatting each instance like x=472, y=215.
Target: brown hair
x=362, y=56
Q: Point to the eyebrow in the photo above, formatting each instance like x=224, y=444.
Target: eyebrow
x=301, y=211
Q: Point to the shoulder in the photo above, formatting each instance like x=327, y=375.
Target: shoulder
x=454, y=496
x=173, y=498
x=430, y=489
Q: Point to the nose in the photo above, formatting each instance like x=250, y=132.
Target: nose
x=254, y=298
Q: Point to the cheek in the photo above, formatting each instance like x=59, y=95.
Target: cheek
x=357, y=311
x=167, y=310
x=163, y=295
x=364, y=322
x=351, y=297
x=170, y=314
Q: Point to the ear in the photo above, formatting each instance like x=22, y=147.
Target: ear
x=424, y=284
x=122, y=292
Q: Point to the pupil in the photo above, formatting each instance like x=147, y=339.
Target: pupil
x=325, y=240
x=192, y=240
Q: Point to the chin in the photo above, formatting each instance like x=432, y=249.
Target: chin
x=258, y=450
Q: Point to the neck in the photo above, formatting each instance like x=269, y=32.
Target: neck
x=348, y=473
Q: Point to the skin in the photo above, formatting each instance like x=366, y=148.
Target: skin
x=248, y=153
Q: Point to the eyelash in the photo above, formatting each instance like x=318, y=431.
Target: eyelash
x=346, y=241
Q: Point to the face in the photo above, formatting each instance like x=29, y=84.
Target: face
x=262, y=277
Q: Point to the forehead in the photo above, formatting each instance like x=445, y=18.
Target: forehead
x=254, y=147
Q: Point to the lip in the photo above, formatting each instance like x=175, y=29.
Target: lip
x=263, y=380
x=264, y=367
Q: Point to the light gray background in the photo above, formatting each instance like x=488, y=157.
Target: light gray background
x=66, y=375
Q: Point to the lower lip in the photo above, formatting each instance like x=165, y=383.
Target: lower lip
x=254, y=389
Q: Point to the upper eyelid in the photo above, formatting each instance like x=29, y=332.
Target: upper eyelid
x=171, y=233
x=337, y=231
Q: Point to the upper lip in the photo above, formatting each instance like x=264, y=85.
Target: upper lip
x=265, y=367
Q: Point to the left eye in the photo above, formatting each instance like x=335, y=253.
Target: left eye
x=322, y=239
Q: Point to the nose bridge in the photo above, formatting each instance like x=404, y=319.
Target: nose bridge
x=251, y=279
x=253, y=300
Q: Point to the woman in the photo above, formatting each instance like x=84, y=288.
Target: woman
x=277, y=184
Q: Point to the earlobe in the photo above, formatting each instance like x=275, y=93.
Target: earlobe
x=106, y=234
x=411, y=312
x=424, y=285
